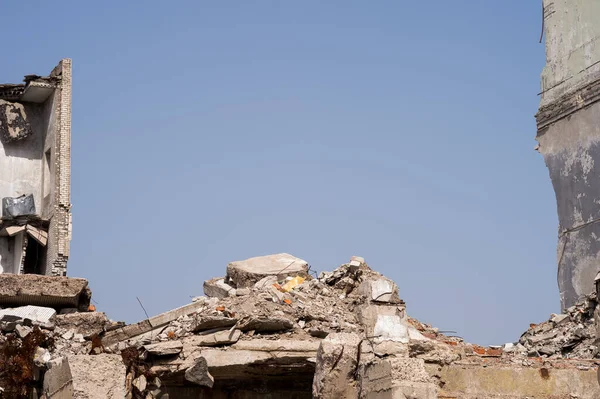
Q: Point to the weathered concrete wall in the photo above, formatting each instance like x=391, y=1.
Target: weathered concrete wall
x=572, y=50
x=20, y=160
x=568, y=135
x=476, y=382
x=35, y=158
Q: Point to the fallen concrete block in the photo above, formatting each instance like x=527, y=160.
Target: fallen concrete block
x=98, y=377
x=390, y=328
x=199, y=375
x=36, y=314
x=375, y=378
x=48, y=291
x=290, y=345
x=380, y=290
x=85, y=323
x=148, y=325
x=58, y=381
x=164, y=348
x=337, y=362
x=217, y=288
x=266, y=324
x=246, y=273
x=206, y=322
x=224, y=337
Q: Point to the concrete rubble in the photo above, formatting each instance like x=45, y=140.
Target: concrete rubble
x=343, y=333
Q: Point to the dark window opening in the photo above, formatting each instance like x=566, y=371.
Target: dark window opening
x=33, y=258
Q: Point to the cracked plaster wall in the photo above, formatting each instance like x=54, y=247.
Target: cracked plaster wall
x=569, y=138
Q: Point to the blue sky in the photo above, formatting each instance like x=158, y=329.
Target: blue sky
x=403, y=132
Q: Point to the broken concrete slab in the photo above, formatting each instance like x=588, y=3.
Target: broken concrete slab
x=265, y=282
x=145, y=326
x=49, y=291
x=217, y=338
x=384, y=322
x=168, y=348
x=268, y=345
x=380, y=290
x=98, y=377
x=217, y=288
x=86, y=323
x=266, y=324
x=375, y=379
x=37, y=314
x=58, y=381
x=246, y=273
x=209, y=322
x=337, y=362
x=199, y=375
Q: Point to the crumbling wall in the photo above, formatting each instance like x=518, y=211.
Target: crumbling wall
x=568, y=125
x=35, y=131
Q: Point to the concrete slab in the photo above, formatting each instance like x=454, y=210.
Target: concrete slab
x=246, y=273
x=37, y=290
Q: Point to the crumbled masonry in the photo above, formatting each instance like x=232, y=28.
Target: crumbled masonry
x=342, y=334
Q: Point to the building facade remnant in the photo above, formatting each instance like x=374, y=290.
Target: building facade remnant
x=35, y=169
x=568, y=133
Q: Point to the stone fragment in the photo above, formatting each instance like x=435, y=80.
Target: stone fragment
x=336, y=367
x=78, y=337
x=58, y=382
x=68, y=335
x=140, y=383
x=38, y=290
x=199, y=375
x=560, y=319
x=98, y=377
x=387, y=348
x=242, y=291
x=22, y=331
x=266, y=324
x=164, y=348
x=248, y=272
x=41, y=357
x=542, y=337
x=85, y=323
x=149, y=326
x=265, y=283
x=380, y=290
x=217, y=288
x=391, y=328
x=208, y=322
x=375, y=378
x=36, y=314
x=224, y=337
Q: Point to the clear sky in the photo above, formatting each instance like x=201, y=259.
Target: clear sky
x=400, y=131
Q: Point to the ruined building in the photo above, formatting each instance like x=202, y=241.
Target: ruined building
x=35, y=142
x=568, y=133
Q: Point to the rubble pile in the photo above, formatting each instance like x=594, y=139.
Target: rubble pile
x=567, y=335
x=269, y=325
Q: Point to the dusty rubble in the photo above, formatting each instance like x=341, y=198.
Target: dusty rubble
x=284, y=331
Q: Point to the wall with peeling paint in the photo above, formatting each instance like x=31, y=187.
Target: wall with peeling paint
x=569, y=138
x=572, y=51
x=21, y=160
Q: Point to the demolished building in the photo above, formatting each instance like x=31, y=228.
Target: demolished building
x=568, y=134
x=35, y=142
x=272, y=328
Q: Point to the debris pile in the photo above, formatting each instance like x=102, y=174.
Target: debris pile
x=568, y=335
x=269, y=325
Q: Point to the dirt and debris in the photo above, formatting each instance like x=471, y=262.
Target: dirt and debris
x=292, y=330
